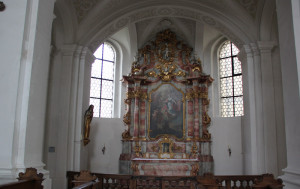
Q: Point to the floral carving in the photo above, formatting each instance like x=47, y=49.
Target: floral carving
x=30, y=173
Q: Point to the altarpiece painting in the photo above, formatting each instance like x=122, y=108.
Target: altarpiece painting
x=166, y=115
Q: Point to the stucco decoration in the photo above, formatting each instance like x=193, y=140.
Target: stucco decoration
x=143, y=14
x=82, y=7
x=184, y=28
x=250, y=6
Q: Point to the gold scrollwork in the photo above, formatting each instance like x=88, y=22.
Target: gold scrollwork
x=196, y=68
x=126, y=118
x=130, y=95
x=137, y=149
x=189, y=96
x=137, y=94
x=126, y=135
x=194, y=148
x=152, y=74
x=195, y=169
x=154, y=148
x=205, y=101
x=205, y=133
x=177, y=147
x=135, y=167
x=206, y=119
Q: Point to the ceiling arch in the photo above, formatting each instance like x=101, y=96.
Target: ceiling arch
x=108, y=17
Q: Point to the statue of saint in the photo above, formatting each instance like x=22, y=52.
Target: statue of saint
x=88, y=116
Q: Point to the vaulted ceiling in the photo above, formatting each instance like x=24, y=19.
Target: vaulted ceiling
x=91, y=21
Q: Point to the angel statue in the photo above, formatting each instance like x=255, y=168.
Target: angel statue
x=88, y=116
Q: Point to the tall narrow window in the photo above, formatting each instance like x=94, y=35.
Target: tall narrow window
x=230, y=81
x=102, y=81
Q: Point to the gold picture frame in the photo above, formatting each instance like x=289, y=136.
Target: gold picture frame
x=165, y=148
x=166, y=112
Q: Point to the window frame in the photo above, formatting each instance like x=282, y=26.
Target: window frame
x=232, y=76
x=114, y=62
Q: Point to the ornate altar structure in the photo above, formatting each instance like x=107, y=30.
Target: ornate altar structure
x=166, y=115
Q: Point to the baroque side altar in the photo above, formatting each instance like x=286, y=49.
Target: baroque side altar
x=166, y=112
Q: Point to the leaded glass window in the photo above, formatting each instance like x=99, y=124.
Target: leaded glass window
x=102, y=81
x=231, y=85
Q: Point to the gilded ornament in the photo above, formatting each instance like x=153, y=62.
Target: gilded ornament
x=152, y=74
x=195, y=169
x=137, y=149
x=126, y=135
x=194, y=148
x=206, y=119
x=154, y=148
x=165, y=148
x=196, y=68
x=126, y=118
x=135, y=167
x=205, y=133
x=189, y=96
x=205, y=101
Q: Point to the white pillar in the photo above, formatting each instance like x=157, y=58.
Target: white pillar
x=68, y=101
x=82, y=92
x=249, y=119
x=268, y=96
x=260, y=150
x=26, y=37
x=259, y=125
x=288, y=15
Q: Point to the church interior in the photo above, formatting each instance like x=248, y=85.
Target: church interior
x=150, y=88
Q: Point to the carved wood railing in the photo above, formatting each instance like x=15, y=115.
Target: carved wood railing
x=237, y=181
x=28, y=180
x=207, y=181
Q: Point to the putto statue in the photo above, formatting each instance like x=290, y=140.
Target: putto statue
x=88, y=116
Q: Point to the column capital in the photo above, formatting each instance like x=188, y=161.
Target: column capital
x=245, y=52
x=68, y=49
x=254, y=49
x=266, y=46
x=88, y=55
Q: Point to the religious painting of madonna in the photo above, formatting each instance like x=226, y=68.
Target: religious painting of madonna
x=166, y=115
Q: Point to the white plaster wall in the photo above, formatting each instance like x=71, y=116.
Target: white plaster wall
x=226, y=133
x=108, y=132
x=25, y=47
x=12, y=22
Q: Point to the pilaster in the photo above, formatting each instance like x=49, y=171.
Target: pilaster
x=249, y=125
x=269, y=121
x=259, y=114
x=288, y=20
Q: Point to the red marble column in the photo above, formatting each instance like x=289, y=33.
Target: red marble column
x=196, y=103
x=142, y=128
x=190, y=117
x=136, y=110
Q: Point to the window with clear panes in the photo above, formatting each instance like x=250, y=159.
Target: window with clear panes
x=231, y=85
x=102, y=81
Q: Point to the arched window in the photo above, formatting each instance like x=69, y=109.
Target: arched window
x=102, y=81
x=231, y=85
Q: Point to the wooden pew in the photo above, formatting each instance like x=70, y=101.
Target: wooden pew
x=28, y=180
x=207, y=181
